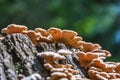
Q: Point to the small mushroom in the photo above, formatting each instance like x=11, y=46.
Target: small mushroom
x=43, y=32
x=88, y=47
x=115, y=76
x=86, y=58
x=117, y=69
x=56, y=33
x=45, y=39
x=74, y=42
x=98, y=63
x=50, y=57
x=58, y=74
x=95, y=75
x=102, y=53
x=67, y=35
x=34, y=37
x=64, y=52
x=65, y=70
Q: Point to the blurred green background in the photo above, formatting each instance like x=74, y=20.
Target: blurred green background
x=97, y=21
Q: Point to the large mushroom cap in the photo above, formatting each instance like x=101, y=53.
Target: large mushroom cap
x=13, y=28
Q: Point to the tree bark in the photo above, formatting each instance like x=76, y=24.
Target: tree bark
x=18, y=56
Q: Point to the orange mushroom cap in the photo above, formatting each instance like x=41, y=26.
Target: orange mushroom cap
x=88, y=47
x=13, y=28
x=34, y=37
x=117, y=69
x=101, y=65
x=67, y=35
x=43, y=32
x=86, y=58
x=56, y=33
x=74, y=42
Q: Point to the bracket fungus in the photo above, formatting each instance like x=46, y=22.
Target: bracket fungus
x=60, y=71
x=56, y=33
x=117, y=69
x=68, y=34
x=88, y=55
x=86, y=58
x=43, y=32
x=70, y=38
x=103, y=71
x=34, y=37
x=89, y=47
x=64, y=52
x=13, y=28
x=50, y=57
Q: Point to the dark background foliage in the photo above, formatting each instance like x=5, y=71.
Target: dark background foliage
x=97, y=21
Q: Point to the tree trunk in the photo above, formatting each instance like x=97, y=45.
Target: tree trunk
x=18, y=57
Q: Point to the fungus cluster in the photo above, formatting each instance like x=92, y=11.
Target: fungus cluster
x=58, y=71
x=90, y=56
x=36, y=36
x=68, y=37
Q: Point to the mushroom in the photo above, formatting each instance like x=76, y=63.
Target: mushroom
x=102, y=53
x=86, y=58
x=101, y=65
x=95, y=75
x=117, y=69
x=44, y=35
x=65, y=70
x=74, y=42
x=67, y=35
x=94, y=48
x=50, y=57
x=45, y=39
x=114, y=76
x=64, y=52
x=34, y=37
x=58, y=74
x=88, y=47
x=13, y=28
x=43, y=32
x=56, y=33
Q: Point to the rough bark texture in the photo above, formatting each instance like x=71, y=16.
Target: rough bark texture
x=18, y=56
